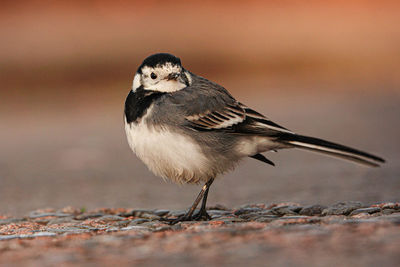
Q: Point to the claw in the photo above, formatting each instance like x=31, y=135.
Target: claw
x=202, y=215
x=182, y=218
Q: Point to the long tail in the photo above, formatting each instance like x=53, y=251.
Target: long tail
x=319, y=145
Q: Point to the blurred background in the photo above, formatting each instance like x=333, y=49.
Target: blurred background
x=330, y=70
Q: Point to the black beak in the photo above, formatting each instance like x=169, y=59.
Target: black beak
x=173, y=76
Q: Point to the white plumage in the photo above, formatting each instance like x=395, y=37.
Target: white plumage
x=167, y=153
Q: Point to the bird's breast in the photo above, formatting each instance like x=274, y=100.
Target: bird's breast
x=168, y=154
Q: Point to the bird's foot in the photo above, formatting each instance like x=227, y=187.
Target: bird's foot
x=202, y=215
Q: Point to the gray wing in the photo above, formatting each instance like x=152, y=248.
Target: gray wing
x=235, y=118
x=207, y=106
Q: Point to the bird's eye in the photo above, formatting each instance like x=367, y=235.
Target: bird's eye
x=153, y=76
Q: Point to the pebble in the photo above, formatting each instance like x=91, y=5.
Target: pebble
x=253, y=216
x=388, y=211
x=140, y=213
x=177, y=213
x=39, y=234
x=161, y=212
x=228, y=219
x=365, y=210
x=294, y=217
x=149, y=216
x=75, y=230
x=109, y=218
x=247, y=211
x=137, y=221
x=342, y=208
x=122, y=223
x=277, y=215
x=395, y=206
x=265, y=219
x=285, y=210
x=88, y=216
x=62, y=220
x=218, y=212
x=312, y=210
x=35, y=214
x=134, y=227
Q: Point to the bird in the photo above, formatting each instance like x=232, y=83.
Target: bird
x=190, y=130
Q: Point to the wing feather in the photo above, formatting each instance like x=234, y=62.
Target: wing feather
x=234, y=118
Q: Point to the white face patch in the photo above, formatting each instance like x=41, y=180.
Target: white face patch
x=136, y=82
x=156, y=78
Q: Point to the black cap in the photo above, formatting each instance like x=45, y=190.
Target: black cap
x=160, y=59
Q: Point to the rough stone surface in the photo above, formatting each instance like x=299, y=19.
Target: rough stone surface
x=342, y=208
x=370, y=210
x=285, y=234
x=312, y=210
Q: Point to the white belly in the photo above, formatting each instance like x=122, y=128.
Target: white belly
x=169, y=155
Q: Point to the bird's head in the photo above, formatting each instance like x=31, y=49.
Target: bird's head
x=163, y=73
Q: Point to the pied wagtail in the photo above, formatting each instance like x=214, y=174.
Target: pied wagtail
x=188, y=129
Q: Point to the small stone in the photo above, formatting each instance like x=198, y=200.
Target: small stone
x=177, y=213
x=121, y=223
x=218, y=212
x=228, y=219
x=342, y=208
x=285, y=210
x=176, y=227
x=126, y=213
x=39, y=234
x=112, y=229
x=135, y=227
x=162, y=228
x=8, y=237
x=62, y=220
x=247, y=211
x=137, y=213
x=161, y=212
x=149, y=216
x=218, y=207
x=73, y=230
x=42, y=222
x=388, y=211
x=109, y=218
x=137, y=221
x=391, y=206
x=365, y=210
x=88, y=216
x=312, y=210
x=34, y=215
x=289, y=217
x=266, y=219
x=43, y=234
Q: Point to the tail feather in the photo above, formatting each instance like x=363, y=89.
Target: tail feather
x=319, y=145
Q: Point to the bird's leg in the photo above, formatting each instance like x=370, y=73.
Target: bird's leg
x=202, y=214
x=188, y=215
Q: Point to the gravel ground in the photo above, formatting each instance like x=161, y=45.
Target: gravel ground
x=344, y=234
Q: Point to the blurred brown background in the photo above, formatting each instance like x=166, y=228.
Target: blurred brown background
x=328, y=70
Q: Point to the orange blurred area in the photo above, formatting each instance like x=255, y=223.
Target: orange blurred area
x=73, y=47
x=332, y=69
